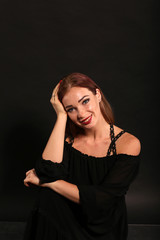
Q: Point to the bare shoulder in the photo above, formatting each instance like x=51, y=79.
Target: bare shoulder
x=128, y=144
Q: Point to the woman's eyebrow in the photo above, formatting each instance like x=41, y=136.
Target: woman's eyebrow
x=68, y=106
x=82, y=98
x=78, y=101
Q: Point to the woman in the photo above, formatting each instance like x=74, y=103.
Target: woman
x=85, y=170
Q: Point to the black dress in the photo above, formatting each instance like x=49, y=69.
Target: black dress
x=102, y=183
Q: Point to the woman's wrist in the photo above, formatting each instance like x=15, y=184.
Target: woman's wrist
x=49, y=185
x=62, y=116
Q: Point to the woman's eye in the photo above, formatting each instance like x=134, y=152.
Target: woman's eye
x=70, y=110
x=86, y=101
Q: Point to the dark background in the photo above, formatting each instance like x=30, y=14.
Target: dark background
x=115, y=43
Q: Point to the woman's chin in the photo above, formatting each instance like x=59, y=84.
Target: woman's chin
x=88, y=126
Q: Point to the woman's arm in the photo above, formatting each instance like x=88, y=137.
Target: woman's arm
x=65, y=189
x=62, y=187
x=54, y=148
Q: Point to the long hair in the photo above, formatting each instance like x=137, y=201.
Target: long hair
x=82, y=80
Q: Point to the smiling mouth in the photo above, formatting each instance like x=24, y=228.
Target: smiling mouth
x=87, y=120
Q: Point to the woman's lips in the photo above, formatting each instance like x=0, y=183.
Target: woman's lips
x=87, y=120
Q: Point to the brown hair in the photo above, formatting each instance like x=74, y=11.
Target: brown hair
x=82, y=80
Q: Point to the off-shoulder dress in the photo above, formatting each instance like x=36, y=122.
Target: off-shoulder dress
x=102, y=182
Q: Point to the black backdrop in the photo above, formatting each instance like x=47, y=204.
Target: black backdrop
x=115, y=43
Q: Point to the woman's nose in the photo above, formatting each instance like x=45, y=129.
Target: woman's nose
x=81, y=113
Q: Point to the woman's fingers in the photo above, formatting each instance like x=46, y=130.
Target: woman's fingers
x=26, y=180
x=31, y=178
x=57, y=105
x=26, y=183
x=29, y=171
x=54, y=96
x=55, y=91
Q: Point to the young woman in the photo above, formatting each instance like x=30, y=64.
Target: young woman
x=85, y=170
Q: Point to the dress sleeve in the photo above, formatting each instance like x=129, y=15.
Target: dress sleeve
x=96, y=200
x=48, y=171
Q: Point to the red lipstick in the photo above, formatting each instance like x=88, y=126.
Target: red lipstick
x=87, y=120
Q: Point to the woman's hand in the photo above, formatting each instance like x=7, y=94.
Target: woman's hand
x=31, y=178
x=57, y=105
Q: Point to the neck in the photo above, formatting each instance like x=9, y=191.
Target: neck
x=101, y=130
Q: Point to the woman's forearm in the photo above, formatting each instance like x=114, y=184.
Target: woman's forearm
x=65, y=189
x=54, y=147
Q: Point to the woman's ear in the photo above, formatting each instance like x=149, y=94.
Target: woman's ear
x=98, y=94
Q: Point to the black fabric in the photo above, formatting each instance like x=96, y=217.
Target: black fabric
x=102, y=183
x=99, y=200
x=49, y=171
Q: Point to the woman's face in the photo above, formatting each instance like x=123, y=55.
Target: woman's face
x=82, y=106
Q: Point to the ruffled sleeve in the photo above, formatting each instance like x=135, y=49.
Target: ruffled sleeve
x=96, y=200
x=48, y=171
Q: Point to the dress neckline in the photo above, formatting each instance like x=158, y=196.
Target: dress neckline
x=111, y=148
x=85, y=154
x=94, y=157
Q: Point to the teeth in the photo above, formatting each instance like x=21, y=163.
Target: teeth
x=87, y=119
